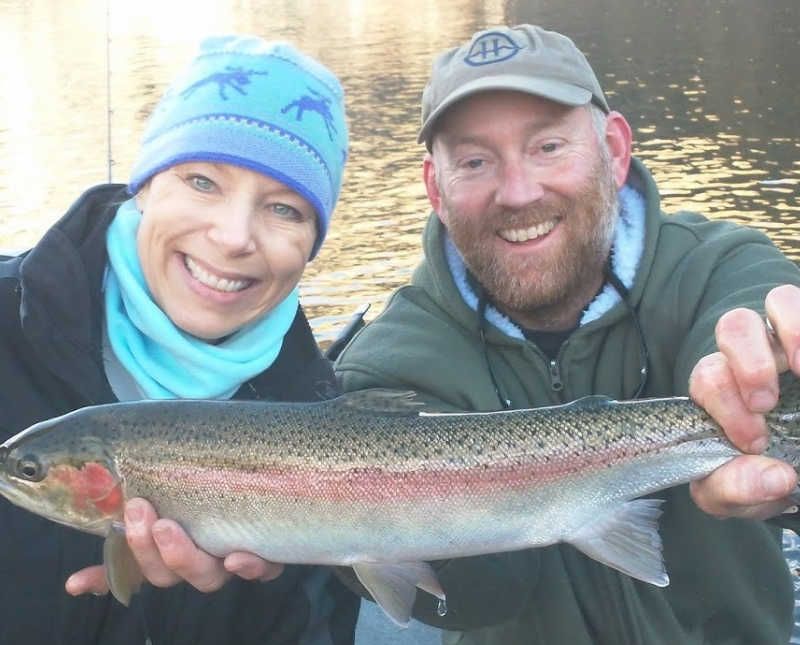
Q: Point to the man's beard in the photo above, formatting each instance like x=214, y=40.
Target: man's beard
x=527, y=286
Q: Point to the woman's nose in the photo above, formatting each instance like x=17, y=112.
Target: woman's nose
x=232, y=229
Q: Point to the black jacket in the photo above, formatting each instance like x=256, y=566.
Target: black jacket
x=51, y=363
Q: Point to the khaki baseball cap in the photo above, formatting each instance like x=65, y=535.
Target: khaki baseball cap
x=525, y=58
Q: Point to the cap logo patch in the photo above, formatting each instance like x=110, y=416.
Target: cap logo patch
x=491, y=47
x=234, y=77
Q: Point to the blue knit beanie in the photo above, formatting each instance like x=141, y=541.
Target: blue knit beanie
x=256, y=104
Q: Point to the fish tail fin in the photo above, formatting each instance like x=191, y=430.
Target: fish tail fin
x=123, y=575
x=627, y=539
x=393, y=586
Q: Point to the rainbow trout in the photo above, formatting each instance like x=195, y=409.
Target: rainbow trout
x=371, y=480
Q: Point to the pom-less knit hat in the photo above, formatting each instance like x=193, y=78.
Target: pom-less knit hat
x=256, y=104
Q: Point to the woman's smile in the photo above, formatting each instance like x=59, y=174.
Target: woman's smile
x=212, y=280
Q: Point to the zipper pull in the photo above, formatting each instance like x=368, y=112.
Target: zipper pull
x=555, y=376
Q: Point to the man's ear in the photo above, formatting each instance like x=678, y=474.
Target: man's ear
x=432, y=188
x=619, y=140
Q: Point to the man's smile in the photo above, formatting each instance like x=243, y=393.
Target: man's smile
x=529, y=233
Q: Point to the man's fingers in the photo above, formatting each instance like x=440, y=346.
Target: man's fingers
x=750, y=486
x=713, y=386
x=88, y=580
x=252, y=567
x=783, y=311
x=180, y=555
x=742, y=338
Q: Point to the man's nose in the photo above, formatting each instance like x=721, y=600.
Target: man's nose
x=518, y=186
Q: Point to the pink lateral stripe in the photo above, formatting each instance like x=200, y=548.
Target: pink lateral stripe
x=373, y=483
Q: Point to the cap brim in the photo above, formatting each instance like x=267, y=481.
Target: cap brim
x=545, y=88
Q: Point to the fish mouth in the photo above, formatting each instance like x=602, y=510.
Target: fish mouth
x=212, y=280
x=528, y=233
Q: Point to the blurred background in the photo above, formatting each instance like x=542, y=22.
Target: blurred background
x=708, y=85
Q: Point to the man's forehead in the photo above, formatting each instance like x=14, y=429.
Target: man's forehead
x=463, y=120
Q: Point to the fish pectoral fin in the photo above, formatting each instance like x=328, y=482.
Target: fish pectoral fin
x=393, y=586
x=627, y=539
x=123, y=574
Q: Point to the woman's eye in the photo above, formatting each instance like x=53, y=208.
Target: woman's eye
x=474, y=164
x=284, y=210
x=549, y=147
x=203, y=184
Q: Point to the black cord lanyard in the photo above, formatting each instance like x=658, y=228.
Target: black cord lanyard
x=483, y=301
x=644, y=353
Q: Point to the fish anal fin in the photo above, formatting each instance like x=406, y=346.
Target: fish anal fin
x=123, y=574
x=393, y=586
x=627, y=539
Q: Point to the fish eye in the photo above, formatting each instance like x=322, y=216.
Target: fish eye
x=30, y=468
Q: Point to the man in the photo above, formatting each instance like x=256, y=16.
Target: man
x=550, y=273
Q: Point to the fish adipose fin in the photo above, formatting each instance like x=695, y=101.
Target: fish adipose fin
x=123, y=574
x=394, y=586
x=627, y=539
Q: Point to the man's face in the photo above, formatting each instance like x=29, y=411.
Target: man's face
x=528, y=196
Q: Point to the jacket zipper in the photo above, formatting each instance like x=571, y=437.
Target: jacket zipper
x=555, y=376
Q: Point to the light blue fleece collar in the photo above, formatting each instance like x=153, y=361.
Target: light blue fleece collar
x=165, y=361
x=626, y=253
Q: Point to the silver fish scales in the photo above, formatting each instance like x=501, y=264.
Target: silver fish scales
x=357, y=480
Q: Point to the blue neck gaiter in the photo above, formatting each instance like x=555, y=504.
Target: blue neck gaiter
x=165, y=361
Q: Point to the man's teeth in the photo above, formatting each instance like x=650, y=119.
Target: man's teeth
x=530, y=233
x=212, y=281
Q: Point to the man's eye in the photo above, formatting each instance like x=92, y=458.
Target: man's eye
x=549, y=147
x=474, y=163
x=203, y=184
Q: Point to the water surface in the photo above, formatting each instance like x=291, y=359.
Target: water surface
x=708, y=86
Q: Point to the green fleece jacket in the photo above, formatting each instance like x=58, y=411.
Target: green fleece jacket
x=729, y=580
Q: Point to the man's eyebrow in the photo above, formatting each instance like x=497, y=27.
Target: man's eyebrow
x=464, y=139
x=534, y=125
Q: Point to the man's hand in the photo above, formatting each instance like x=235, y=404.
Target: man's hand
x=736, y=386
x=167, y=556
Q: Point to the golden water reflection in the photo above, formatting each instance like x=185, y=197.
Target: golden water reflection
x=709, y=89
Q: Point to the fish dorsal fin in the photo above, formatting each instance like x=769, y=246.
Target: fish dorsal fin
x=626, y=538
x=393, y=586
x=123, y=575
x=382, y=400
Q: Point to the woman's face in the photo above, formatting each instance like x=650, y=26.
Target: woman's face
x=221, y=245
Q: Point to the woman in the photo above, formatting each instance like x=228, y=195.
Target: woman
x=183, y=286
